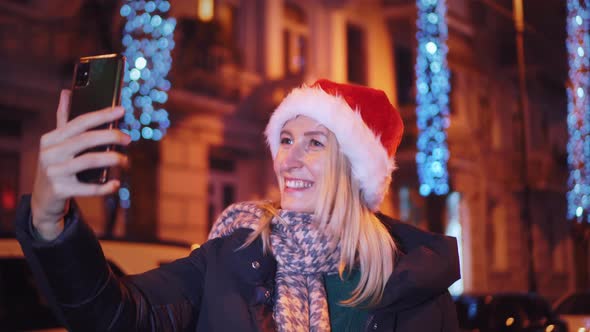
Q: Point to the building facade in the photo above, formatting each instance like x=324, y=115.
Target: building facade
x=228, y=74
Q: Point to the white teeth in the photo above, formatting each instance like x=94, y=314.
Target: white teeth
x=297, y=184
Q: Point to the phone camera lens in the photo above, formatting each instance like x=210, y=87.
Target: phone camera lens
x=82, y=74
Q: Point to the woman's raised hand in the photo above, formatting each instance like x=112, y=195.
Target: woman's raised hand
x=55, y=181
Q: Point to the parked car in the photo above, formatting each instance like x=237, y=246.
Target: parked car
x=513, y=312
x=23, y=307
x=574, y=310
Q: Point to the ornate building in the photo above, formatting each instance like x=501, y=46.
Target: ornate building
x=229, y=72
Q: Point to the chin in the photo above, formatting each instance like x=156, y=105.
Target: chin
x=296, y=207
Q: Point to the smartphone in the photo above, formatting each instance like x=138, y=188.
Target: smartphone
x=96, y=85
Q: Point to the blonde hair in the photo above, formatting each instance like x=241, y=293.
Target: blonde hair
x=364, y=240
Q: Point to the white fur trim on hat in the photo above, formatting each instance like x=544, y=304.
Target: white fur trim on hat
x=369, y=159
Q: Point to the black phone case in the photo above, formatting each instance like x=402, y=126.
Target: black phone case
x=100, y=88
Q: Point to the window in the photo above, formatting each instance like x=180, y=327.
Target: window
x=295, y=39
x=356, y=62
x=404, y=69
x=221, y=187
x=227, y=15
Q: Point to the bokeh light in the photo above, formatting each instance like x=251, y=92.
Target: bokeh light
x=578, y=119
x=432, y=98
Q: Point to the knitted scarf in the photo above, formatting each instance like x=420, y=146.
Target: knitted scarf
x=303, y=254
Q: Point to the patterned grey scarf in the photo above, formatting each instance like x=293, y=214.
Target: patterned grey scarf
x=303, y=253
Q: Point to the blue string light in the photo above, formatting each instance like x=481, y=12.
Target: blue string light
x=432, y=98
x=148, y=40
x=578, y=119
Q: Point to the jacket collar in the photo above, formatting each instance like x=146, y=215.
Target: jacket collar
x=427, y=265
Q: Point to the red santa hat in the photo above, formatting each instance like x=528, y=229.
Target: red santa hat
x=367, y=126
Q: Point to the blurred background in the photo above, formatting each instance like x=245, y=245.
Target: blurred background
x=216, y=69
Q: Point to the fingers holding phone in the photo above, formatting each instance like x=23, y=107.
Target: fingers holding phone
x=85, y=125
x=74, y=159
x=61, y=159
x=71, y=143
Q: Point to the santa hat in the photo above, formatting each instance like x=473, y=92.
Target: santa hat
x=368, y=129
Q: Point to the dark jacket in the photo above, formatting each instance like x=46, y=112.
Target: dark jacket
x=219, y=288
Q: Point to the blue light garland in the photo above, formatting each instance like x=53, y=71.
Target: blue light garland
x=578, y=119
x=433, y=87
x=148, y=40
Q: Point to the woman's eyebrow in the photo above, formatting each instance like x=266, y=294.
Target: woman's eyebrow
x=285, y=132
x=316, y=132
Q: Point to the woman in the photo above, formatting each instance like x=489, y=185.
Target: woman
x=321, y=259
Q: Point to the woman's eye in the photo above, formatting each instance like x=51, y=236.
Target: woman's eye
x=286, y=140
x=316, y=143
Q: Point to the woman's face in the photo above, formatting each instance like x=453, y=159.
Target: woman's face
x=300, y=163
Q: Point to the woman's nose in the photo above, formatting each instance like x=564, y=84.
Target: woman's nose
x=293, y=157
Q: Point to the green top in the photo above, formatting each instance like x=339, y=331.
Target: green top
x=343, y=318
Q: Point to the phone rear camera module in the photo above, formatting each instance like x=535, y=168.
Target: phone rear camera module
x=82, y=74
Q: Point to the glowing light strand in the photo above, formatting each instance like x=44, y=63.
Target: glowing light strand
x=578, y=119
x=148, y=39
x=432, y=98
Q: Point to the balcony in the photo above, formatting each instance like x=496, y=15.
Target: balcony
x=206, y=63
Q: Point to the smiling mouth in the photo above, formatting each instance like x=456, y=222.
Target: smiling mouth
x=297, y=184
